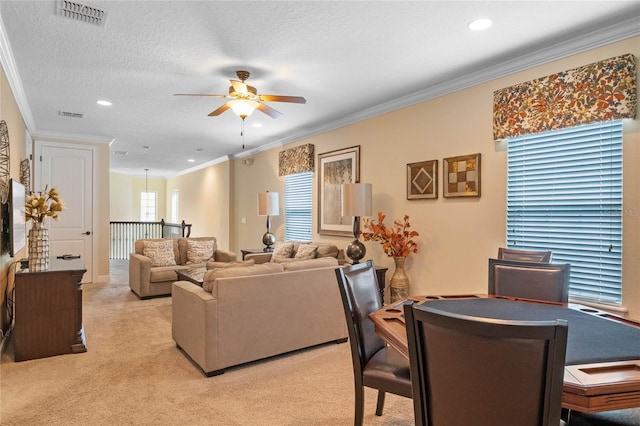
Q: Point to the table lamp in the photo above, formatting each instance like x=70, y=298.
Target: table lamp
x=268, y=206
x=356, y=202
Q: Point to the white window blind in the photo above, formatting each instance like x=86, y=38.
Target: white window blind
x=298, y=206
x=564, y=193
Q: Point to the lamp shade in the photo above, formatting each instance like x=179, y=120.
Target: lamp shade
x=268, y=204
x=356, y=199
x=243, y=108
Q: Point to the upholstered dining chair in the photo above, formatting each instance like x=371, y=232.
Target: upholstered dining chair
x=530, y=280
x=524, y=255
x=484, y=372
x=374, y=364
x=626, y=417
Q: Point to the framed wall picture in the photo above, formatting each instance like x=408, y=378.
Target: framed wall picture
x=334, y=169
x=422, y=180
x=461, y=176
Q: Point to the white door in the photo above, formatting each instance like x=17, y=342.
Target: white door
x=70, y=169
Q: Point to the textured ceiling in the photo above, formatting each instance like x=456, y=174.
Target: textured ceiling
x=349, y=59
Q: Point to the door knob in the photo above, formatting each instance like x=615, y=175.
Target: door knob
x=86, y=233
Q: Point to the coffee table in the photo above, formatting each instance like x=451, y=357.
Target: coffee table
x=194, y=275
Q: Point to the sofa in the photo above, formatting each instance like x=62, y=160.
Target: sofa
x=247, y=313
x=285, y=251
x=154, y=262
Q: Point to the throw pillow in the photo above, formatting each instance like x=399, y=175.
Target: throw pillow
x=160, y=252
x=306, y=251
x=199, y=251
x=282, y=251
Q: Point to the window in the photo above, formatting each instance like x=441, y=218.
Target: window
x=147, y=207
x=564, y=193
x=298, y=194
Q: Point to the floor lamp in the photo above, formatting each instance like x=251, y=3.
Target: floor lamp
x=268, y=205
x=356, y=202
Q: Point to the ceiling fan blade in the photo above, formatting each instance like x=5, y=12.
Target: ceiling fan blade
x=269, y=111
x=278, y=98
x=239, y=87
x=219, y=111
x=199, y=94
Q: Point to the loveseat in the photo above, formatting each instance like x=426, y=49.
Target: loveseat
x=298, y=250
x=246, y=313
x=154, y=262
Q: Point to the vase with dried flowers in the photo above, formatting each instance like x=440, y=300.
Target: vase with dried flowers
x=39, y=206
x=397, y=242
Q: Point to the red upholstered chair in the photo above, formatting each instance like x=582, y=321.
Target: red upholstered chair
x=530, y=280
x=374, y=364
x=524, y=255
x=484, y=372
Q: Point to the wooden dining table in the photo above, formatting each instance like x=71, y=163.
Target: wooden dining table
x=602, y=369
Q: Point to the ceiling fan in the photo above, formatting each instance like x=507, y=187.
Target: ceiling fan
x=245, y=99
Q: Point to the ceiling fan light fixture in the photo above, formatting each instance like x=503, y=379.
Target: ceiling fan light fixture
x=242, y=107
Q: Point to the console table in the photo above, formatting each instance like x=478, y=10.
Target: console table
x=48, y=311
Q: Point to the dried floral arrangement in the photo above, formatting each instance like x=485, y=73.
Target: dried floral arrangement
x=39, y=205
x=397, y=241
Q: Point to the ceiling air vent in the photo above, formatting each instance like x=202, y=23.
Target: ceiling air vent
x=81, y=12
x=71, y=114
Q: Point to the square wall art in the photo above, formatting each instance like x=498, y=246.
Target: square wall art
x=461, y=176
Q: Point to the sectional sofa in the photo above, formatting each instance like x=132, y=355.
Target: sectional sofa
x=247, y=313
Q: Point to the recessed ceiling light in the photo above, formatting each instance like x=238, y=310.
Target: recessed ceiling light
x=191, y=160
x=480, y=24
x=103, y=102
x=256, y=125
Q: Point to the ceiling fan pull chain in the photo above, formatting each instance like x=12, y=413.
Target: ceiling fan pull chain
x=242, y=132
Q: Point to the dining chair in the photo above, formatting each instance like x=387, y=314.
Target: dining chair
x=530, y=280
x=626, y=417
x=484, y=372
x=375, y=365
x=524, y=255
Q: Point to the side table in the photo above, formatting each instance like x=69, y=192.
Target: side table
x=251, y=251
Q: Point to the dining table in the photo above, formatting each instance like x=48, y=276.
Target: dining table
x=602, y=366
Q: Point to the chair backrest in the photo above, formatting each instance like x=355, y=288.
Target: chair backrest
x=524, y=255
x=360, y=296
x=530, y=280
x=484, y=372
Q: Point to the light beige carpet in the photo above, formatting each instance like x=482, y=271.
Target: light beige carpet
x=133, y=374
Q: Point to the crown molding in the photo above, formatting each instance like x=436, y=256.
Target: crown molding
x=72, y=137
x=542, y=55
x=9, y=66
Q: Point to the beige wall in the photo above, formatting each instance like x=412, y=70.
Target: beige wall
x=17, y=150
x=205, y=197
x=457, y=236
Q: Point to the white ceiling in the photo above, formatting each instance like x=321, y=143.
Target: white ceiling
x=349, y=59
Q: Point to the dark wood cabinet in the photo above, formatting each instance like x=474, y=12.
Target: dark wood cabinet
x=48, y=311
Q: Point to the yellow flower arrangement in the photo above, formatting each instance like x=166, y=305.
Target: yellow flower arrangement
x=39, y=205
x=396, y=242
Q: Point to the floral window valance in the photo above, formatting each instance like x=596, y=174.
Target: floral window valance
x=605, y=90
x=296, y=160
